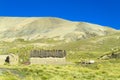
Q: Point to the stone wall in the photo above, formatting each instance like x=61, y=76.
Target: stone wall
x=14, y=59
x=2, y=59
x=49, y=60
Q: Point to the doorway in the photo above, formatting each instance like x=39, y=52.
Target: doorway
x=7, y=60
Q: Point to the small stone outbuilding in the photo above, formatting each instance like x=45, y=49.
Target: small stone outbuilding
x=9, y=59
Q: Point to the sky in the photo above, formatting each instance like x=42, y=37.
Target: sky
x=102, y=12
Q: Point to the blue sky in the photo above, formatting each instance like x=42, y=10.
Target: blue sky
x=103, y=12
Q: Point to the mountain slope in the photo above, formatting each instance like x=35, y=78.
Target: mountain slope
x=48, y=27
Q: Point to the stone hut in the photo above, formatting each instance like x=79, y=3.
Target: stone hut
x=8, y=59
x=48, y=57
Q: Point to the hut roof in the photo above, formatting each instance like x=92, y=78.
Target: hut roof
x=48, y=53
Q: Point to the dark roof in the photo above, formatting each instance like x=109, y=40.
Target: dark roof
x=48, y=53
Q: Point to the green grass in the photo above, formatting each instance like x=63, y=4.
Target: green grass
x=97, y=71
x=77, y=51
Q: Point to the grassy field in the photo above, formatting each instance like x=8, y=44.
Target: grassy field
x=102, y=70
x=77, y=51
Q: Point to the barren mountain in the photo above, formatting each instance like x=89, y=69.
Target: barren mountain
x=48, y=27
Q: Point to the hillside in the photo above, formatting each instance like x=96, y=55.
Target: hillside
x=91, y=48
x=32, y=28
x=82, y=42
x=79, y=39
